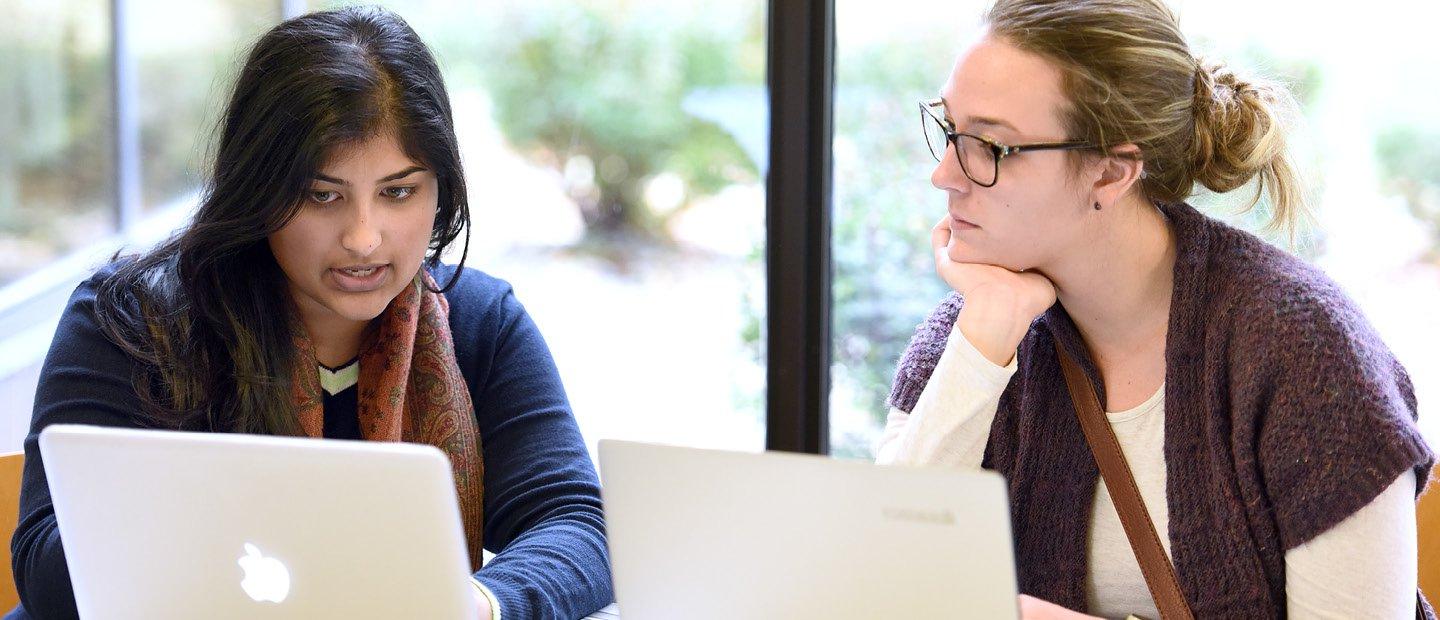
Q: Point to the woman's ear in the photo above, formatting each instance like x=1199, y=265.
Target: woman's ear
x=1119, y=171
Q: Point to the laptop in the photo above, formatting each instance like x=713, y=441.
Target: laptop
x=160, y=524
x=702, y=534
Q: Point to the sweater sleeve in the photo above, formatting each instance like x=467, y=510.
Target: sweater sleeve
x=85, y=379
x=1334, y=410
x=923, y=353
x=543, y=516
x=951, y=419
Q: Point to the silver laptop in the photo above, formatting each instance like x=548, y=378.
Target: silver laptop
x=701, y=534
x=188, y=525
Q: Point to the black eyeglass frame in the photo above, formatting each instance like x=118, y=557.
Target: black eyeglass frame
x=998, y=150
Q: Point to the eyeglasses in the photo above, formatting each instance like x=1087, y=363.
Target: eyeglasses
x=979, y=156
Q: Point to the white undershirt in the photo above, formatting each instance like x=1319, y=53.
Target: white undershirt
x=1363, y=567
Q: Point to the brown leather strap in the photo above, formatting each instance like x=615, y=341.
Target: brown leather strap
x=1154, y=564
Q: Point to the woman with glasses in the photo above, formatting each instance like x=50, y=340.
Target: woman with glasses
x=307, y=298
x=1270, y=433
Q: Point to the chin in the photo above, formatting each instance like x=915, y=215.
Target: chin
x=360, y=309
x=971, y=255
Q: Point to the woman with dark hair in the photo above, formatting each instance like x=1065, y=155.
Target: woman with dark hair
x=307, y=298
x=1269, y=433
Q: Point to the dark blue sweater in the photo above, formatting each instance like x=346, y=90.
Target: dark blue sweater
x=542, y=498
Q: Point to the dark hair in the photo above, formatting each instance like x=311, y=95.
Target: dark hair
x=207, y=315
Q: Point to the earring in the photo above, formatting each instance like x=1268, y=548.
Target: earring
x=1097, y=206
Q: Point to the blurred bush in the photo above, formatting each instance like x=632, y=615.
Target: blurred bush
x=596, y=91
x=1409, y=160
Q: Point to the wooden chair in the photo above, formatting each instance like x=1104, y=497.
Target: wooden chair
x=10, y=467
x=1427, y=515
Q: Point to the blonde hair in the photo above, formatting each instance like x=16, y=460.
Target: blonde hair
x=1129, y=77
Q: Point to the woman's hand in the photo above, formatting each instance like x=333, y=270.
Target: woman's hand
x=999, y=304
x=1032, y=608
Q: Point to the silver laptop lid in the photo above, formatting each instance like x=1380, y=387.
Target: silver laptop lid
x=701, y=534
x=195, y=525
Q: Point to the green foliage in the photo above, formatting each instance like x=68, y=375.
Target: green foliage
x=1409, y=161
x=554, y=103
x=55, y=160
x=884, y=206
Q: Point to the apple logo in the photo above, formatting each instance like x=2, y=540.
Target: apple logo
x=266, y=579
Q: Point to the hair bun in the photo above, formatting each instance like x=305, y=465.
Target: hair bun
x=1237, y=132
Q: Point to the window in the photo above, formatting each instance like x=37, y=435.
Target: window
x=887, y=57
x=628, y=205
x=182, y=77
x=56, y=186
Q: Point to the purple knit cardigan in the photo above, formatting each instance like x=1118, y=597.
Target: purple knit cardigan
x=1284, y=414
